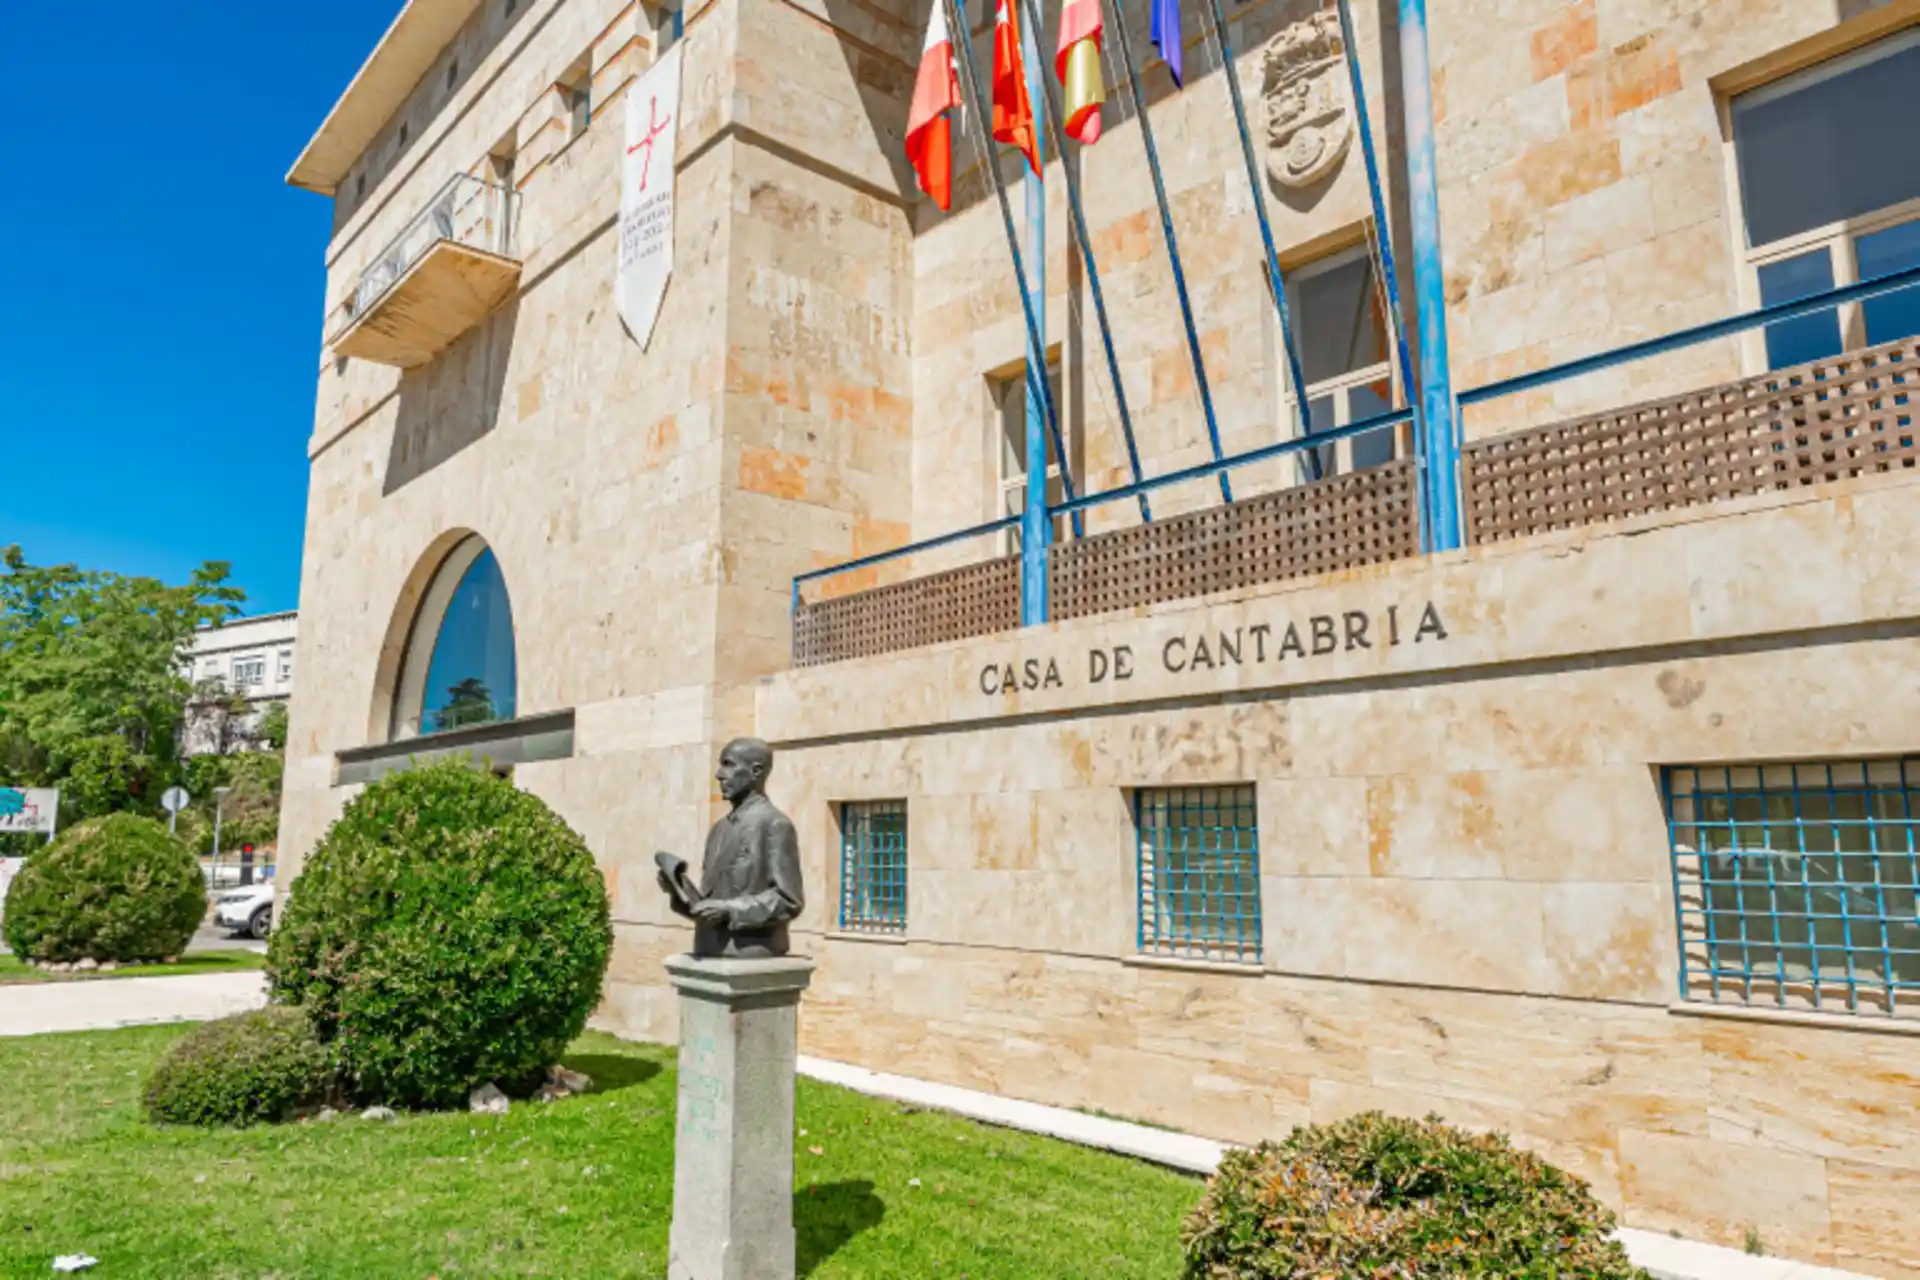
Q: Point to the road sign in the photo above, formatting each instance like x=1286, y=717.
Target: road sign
x=33, y=809
x=174, y=799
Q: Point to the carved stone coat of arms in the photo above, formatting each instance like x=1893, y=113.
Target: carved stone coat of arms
x=1309, y=107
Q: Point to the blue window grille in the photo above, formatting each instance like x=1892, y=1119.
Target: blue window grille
x=1797, y=886
x=1199, y=872
x=873, y=866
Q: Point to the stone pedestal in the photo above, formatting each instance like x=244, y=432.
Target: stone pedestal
x=733, y=1142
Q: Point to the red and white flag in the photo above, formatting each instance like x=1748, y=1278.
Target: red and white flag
x=936, y=93
x=1012, y=109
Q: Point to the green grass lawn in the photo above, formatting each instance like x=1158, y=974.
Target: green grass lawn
x=580, y=1188
x=13, y=969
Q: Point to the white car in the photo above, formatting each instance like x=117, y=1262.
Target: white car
x=248, y=910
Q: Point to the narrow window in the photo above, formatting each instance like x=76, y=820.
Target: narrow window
x=1339, y=319
x=1009, y=393
x=1830, y=194
x=286, y=665
x=873, y=866
x=1798, y=885
x=1199, y=872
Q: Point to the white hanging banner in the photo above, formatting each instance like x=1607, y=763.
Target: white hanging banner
x=646, y=196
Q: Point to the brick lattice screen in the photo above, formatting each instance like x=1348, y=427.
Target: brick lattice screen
x=1831, y=420
x=1352, y=520
x=974, y=600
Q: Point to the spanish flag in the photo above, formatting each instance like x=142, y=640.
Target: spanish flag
x=1077, y=63
x=1012, y=111
x=936, y=91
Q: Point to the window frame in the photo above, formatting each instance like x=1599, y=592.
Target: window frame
x=1340, y=385
x=1718, y=971
x=860, y=888
x=250, y=672
x=1010, y=490
x=1838, y=238
x=1154, y=937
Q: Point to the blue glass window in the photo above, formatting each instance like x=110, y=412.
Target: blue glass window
x=1807, y=338
x=1891, y=315
x=460, y=663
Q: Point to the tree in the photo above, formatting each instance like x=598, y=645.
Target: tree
x=92, y=688
x=469, y=702
x=250, y=814
x=272, y=729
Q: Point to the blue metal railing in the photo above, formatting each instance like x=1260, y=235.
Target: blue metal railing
x=1677, y=341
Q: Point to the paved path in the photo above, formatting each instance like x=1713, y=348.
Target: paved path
x=1665, y=1257
x=30, y=1008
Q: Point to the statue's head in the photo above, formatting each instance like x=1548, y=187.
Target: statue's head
x=744, y=765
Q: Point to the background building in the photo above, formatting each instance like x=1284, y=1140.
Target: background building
x=1599, y=829
x=239, y=669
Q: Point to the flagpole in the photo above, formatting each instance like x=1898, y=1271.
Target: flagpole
x=1056, y=119
x=1173, y=245
x=1035, y=528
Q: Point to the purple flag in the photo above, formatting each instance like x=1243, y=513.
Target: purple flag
x=1166, y=37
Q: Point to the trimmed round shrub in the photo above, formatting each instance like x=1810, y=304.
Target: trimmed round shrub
x=1396, y=1199
x=251, y=1068
x=114, y=888
x=450, y=930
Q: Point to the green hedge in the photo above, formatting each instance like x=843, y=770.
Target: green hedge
x=115, y=888
x=449, y=930
x=248, y=1069
x=1394, y=1199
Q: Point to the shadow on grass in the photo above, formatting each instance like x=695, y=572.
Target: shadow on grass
x=611, y=1072
x=828, y=1215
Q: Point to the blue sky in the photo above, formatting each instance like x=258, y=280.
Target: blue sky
x=160, y=326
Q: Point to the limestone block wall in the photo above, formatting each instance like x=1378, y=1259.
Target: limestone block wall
x=1586, y=202
x=648, y=509
x=1467, y=896
x=593, y=470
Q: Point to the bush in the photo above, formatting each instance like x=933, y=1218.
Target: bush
x=449, y=930
x=113, y=888
x=1395, y=1199
x=249, y=1068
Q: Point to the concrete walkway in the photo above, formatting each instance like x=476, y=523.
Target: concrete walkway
x=1665, y=1257
x=33, y=1008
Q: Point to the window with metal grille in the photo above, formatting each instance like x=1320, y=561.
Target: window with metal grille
x=1797, y=886
x=1199, y=872
x=873, y=866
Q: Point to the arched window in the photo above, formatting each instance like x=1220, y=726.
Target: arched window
x=459, y=667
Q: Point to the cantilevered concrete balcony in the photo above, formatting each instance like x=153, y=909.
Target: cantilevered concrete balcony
x=446, y=271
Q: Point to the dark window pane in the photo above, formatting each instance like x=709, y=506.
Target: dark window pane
x=470, y=679
x=1337, y=320
x=1320, y=418
x=1814, y=337
x=1840, y=146
x=1891, y=315
x=1373, y=447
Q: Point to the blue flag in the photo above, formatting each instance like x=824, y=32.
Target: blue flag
x=1166, y=37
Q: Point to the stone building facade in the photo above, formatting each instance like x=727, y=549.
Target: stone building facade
x=1473, y=809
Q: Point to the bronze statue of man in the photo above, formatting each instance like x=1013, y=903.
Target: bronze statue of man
x=750, y=879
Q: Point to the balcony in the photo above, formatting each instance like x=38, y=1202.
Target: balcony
x=446, y=271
